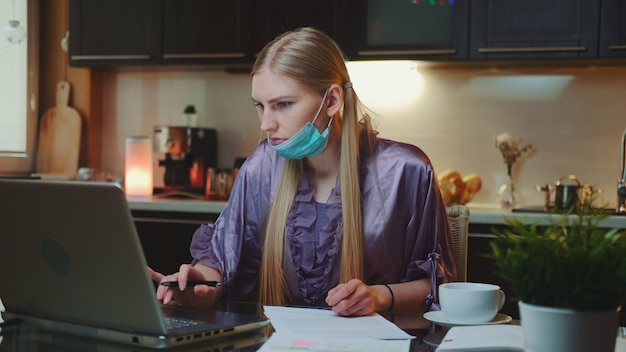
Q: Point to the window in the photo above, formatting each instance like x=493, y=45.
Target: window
x=19, y=80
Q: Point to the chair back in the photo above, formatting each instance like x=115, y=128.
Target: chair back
x=458, y=221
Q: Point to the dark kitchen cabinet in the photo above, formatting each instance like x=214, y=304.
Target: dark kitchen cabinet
x=613, y=29
x=118, y=31
x=401, y=29
x=273, y=17
x=200, y=31
x=165, y=237
x=148, y=32
x=534, y=29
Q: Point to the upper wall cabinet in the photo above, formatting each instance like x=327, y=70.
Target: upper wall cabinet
x=403, y=29
x=121, y=31
x=613, y=28
x=200, y=31
x=534, y=29
x=228, y=33
x=273, y=17
x=140, y=32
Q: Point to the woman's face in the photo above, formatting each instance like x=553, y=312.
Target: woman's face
x=284, y=105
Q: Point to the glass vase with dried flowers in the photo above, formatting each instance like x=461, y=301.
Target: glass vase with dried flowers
x=511, y=150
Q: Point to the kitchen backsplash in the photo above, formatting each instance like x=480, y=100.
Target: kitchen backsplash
x=573, y=116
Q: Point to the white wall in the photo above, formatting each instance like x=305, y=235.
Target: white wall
x=573, y=116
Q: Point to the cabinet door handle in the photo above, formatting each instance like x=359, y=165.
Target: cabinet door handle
x=531, y=49
x=407, y=52
x=204, y=56
x=617, y=47
x=110, y=57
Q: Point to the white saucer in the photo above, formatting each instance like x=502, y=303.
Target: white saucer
x=438, y=318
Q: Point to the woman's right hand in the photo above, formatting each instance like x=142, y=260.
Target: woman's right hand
x=199, y=296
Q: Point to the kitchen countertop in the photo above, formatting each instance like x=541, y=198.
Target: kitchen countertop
x=485, y=214
x=494, y=215
x=150, y=203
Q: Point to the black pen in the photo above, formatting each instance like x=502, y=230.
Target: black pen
x=192, y=283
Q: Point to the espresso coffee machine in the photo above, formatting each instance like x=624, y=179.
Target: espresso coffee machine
x=184, y=155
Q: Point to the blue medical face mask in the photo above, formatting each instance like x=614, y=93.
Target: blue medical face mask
x=307, y=142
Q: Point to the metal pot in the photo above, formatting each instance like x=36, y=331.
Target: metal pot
x=568, y=196
x=565, y=197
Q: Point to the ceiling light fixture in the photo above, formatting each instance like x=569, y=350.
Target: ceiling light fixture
x=14, y=33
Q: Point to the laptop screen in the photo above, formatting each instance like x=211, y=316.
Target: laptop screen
x=72, y=254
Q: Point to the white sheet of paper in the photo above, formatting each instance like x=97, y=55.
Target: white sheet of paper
x=288, y=342
x=483, y=338
x=493, y=338
x=325, y=323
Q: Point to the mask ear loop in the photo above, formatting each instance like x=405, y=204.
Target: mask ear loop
x=321, y=106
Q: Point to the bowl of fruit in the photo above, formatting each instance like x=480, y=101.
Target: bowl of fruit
x=457, y=189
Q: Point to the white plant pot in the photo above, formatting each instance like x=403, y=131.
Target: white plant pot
x=548, y=329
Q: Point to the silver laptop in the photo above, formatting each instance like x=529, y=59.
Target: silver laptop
x=71, y=260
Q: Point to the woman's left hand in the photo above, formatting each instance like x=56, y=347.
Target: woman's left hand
x=353, y=298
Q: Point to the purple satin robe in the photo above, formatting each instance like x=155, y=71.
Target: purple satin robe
x=404, y=223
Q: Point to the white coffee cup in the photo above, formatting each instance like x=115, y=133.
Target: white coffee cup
x=470, y=302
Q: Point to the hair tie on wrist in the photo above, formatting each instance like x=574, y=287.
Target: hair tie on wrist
x=392, y=297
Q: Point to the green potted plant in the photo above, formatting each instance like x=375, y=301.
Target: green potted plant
x=569, y=276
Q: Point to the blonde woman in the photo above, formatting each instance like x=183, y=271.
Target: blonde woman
x=323, y=212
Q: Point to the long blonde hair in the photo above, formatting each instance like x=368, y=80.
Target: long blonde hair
x=313, y=59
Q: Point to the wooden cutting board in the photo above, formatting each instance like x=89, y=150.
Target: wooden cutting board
x=59, y=136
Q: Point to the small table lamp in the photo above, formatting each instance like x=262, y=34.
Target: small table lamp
x=138, y=178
